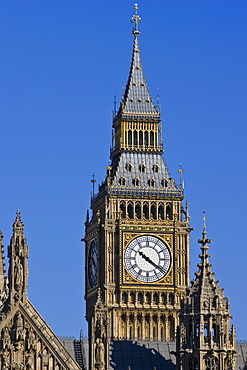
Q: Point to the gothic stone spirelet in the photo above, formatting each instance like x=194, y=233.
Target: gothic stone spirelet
x=26, y=341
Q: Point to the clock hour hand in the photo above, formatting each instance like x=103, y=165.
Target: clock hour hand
x=152, y=263
x=147, y=258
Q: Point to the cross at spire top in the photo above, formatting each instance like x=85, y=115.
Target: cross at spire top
x=136, y=19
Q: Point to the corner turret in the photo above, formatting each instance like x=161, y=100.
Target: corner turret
x=205, y=339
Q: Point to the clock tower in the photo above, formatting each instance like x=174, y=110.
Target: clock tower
x=137, y=239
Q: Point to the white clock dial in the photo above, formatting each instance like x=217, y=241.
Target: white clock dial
x=147, y=258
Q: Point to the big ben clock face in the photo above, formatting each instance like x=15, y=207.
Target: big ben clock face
x=147, y=258
x=93, y=264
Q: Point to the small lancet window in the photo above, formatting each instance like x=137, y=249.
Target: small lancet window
x=135, y=138
x=171, y=298
x=142, y=168
x=165, y=183
x=156, y=168
x=132, y=297
x=197, y=329
x=152, y=182
x=130, y=210
x=122, y=181
x=140, y=298
x=129, y=167
x=214, y=330
x=155, y=298
x=124, y=297
x=136, y=182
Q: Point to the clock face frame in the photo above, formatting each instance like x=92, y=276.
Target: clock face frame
x=93, y=264
x=147, y=258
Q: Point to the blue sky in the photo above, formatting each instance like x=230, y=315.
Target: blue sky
x=61, y=64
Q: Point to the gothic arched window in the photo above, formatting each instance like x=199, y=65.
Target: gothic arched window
x=161, y=211
x=138, y=210
x=152, y=138
x=129, y=167
x=171, y=298
x=124, y=297
x=122, y=181
x=156, y=168
x=193, y=363
x=153, y=211
x=148, y=298
x=135, y=138
x=123, y=209
x=130, y=137
x=165, y=183
x=140, y=138
x=140, y=298
x=211, y=363
x=163, y=298
x=155, y=298
x=197, y=329
x=142, y=168
x=146, y=138
x=132, y=297
x=145, y=210
x=130, y=210
x=168, y=211
x=136, y=182
x=205, y=331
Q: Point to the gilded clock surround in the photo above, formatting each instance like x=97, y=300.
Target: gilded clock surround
x=127, y=277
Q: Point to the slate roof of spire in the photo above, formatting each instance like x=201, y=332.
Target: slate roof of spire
x=137, y=98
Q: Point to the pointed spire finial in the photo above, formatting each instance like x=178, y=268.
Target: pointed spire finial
x=136, y=19
x=18, y=224
x=180, y=171
x=93, y=181
x=204, y=241
x=204, y=221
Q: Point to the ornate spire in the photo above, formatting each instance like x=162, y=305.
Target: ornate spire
x=3, y=277
x=18, y=270
x=204, y=277
x=136, y=98
x=205, y=338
